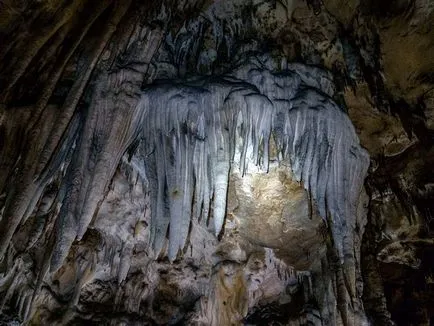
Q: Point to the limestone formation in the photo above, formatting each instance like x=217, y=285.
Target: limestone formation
x=198, y=162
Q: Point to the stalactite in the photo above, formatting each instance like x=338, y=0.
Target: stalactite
x=43, y=154
x=204, y=119
x=65, y=55
x=100, y=149
x=78, y=97
x=38, y=38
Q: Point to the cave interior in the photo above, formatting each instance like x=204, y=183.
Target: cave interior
x=217, y=162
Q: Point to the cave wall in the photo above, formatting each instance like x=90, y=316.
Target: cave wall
x=79, y=225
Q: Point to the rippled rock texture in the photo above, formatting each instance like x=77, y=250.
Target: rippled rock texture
x=216, y=162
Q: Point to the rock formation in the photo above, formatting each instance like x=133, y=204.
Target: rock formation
x=196, y=162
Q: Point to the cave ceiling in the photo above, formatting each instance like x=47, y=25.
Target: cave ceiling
x=217, y=162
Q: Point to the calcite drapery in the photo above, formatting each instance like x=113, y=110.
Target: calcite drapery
x=194, y=130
